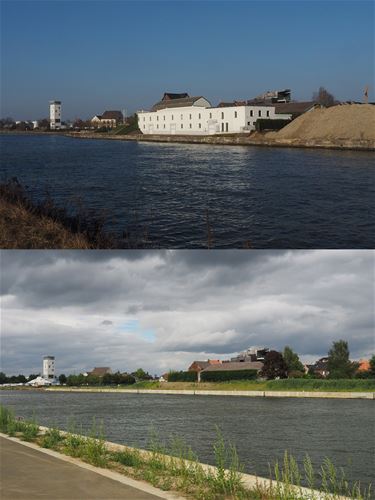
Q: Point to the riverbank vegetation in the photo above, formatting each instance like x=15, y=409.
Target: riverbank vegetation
x=343, y=385
x=174, y=466
x=29, y=224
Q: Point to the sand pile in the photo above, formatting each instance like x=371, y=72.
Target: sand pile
x=354, y=122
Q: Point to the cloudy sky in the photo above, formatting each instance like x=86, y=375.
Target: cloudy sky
x=160, y=310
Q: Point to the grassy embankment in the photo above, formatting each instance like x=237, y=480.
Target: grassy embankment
x=174, y=466
x=339, y=385
x=25, y=224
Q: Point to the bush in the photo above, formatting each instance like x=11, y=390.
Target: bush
x=321, y=384
x=30, y=430
x=182, y=377
x=129, y=458
x=296, y=374
x=226, y=375
x=51, y=439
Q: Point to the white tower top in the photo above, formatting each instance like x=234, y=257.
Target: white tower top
x=55, y=114
x=48, y=367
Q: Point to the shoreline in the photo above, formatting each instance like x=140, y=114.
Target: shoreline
x=249, y=481
x=264, y=394
x=233, y=140
x=219, y=140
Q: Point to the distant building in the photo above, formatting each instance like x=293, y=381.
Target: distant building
x=274, y=96
x=363, y=365
x=198, y=366
x=100, y=371
x=110, y=119
x=55, y=115
x=319, y=368
x=39, y=382
x=251, y=354
x=48, y=371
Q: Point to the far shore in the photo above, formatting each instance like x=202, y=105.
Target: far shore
x=256, y=139
x=223, y=392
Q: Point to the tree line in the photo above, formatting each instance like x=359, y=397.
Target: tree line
x=284, y=364
x=288, y=365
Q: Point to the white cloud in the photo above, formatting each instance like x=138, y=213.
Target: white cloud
x=161, y=310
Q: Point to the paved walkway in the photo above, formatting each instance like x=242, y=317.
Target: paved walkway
x=28, y=474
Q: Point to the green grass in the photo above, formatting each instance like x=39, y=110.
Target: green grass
x=51, y=439
x=172, y=465
x=125, y=129
x=297, y=384
x=338, y=385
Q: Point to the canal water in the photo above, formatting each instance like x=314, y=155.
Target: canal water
x=261, y=428
x=263, y=197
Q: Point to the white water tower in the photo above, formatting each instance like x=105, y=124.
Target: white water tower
x=48, y=372
x=55, y=114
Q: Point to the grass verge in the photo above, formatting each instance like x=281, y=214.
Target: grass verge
x=174, y=466
x=313, y=385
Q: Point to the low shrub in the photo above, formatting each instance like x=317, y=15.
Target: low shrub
x=129, y=458
x=51, y=439
x=270, y=124
x=30, y=430
x=322, y=384
x=227, y=375
x=6, y=418
x=182, y=376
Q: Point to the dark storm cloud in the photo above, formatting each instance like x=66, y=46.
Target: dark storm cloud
x=162, y=309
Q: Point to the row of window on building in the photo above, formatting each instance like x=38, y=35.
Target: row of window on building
x=182, y=126
x=222, y=115
x=200, y=126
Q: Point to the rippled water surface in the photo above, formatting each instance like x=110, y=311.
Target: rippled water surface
x=261, y=428
x=270, y=197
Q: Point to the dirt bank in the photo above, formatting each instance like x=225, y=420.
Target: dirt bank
x=348, y=123
x=21, y=229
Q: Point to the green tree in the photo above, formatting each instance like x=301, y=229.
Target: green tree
x=108, y=379
x=62, y=378
x=3, y=378
x=292, y=360
x=93, y=380
x=76, y=380
x=372, y=366
x=339, y=364
x=140, y=374
x=127, y=379
x=274, y=366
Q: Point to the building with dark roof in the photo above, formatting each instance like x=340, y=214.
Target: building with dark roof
x=198, y=366
x=232, y=366
x=169, y=95
x=109, y=119
x=100, y=371
x=179, y=102
x=181, y=114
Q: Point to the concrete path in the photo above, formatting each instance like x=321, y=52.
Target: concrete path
x=27, y=473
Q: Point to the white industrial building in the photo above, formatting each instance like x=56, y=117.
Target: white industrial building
x=181, y=114
x=55, y=115
x=48, y=372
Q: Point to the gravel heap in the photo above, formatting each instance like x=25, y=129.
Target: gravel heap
x=345, y=121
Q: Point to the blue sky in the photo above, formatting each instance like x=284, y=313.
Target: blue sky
x=97, y=55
